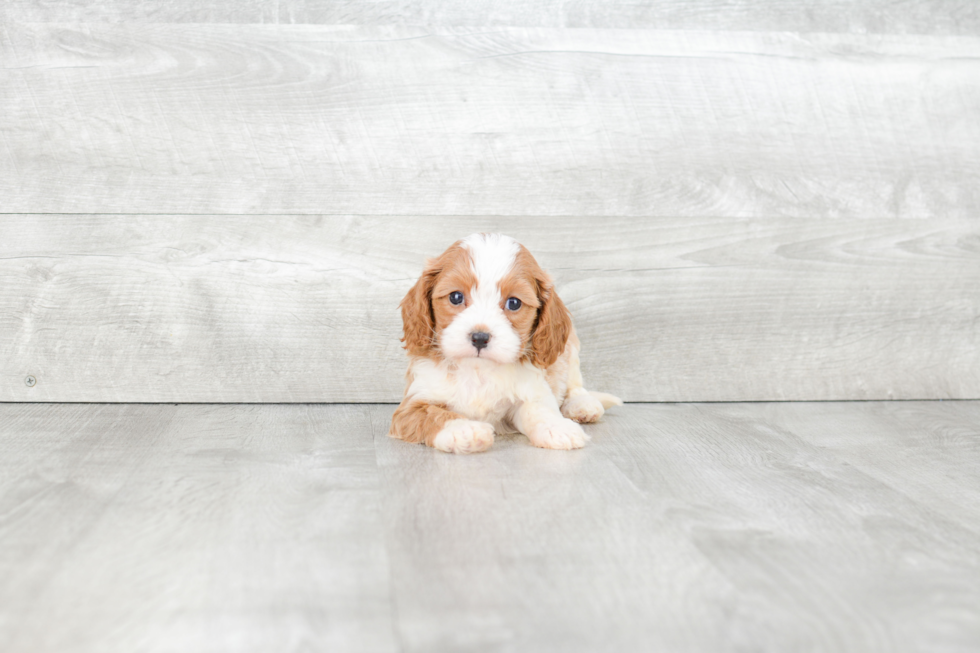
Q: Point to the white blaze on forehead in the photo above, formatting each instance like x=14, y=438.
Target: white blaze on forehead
x=492, y=258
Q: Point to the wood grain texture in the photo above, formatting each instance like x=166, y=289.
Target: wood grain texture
x=724, y=527
x=304, y=309
x=903, y=445
x=190, y=528
x=168, y=118
x=696, y=528
x=862, y=16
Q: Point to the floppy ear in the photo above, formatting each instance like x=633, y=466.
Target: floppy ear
x=553, y=327
x=418, y=322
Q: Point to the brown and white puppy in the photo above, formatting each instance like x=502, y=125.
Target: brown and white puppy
x=491, y=349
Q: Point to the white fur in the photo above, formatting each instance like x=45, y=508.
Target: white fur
x=464, y=436
x=493, y=257
x=509, y=397
x=562, y=434
x=582, y=407
x=480, y=389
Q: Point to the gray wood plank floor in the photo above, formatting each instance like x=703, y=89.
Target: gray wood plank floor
x=682, y=527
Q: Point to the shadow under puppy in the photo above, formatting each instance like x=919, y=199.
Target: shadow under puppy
x=491, y=349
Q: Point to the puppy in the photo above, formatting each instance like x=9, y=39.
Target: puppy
x=491, y=349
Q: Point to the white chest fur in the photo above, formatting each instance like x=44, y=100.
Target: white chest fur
x=478, y=389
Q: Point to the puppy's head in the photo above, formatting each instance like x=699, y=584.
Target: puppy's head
x=485, y=297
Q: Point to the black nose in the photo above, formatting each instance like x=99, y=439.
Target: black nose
x=480, y=339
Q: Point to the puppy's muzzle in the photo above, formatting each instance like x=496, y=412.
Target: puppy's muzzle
x=479, y=339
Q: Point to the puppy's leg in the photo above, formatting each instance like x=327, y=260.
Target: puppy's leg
x=582, y=407
x=438, y=427
x=579, y=405
x=545, y=427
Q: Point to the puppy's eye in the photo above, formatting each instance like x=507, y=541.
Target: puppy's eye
x=513, y=304
x=456, y=297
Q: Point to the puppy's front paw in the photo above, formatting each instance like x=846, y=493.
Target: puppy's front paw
x=560, y=434
x=583, y=408
x=464, y=436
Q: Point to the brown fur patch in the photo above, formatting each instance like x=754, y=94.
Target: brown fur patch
x=457, y=276
x=426, y=308
x=417, y=421
x=544, y=331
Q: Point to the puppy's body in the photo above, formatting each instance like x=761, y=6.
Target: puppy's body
x=492, y=349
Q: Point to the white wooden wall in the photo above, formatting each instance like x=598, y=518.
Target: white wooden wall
x=222, y=201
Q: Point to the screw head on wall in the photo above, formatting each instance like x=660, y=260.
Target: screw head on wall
x=30, y=381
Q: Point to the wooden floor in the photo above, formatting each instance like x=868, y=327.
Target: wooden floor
x=681, y=527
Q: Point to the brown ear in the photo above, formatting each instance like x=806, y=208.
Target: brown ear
x=553, y=327
x=418, y=321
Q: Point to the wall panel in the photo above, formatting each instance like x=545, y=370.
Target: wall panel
x=861, y=16
x=512, y=121
x=304, y=308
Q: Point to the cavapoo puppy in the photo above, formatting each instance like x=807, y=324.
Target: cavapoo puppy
x=491, y=349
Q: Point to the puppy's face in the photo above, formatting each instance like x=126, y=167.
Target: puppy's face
x=485, y=297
